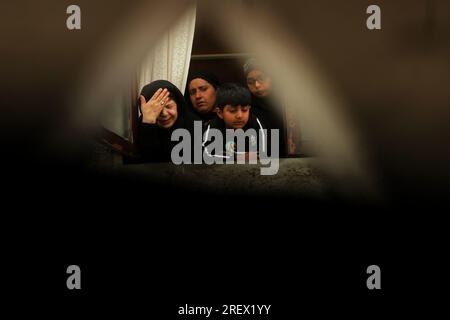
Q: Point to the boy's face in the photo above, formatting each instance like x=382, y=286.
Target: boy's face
x=259, y=83
x=235, y=117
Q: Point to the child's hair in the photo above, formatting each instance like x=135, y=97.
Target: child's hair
x=232, y=94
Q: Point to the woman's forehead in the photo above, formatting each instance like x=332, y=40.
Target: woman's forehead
x=171, y=100
x=238, y=106
x=198, y=82
x=255, y=73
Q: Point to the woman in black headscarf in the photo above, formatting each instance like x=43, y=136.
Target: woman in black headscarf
x=200, y=95
x=260, y=85
x=163, y=110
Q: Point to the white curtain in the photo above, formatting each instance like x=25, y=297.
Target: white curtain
x=170, y=58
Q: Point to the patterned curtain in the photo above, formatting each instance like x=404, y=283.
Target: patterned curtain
x=170, y=59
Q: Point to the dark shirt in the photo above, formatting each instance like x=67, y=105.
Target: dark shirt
x=273, y=117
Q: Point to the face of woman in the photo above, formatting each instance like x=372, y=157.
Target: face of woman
x=202, y=94
x=168, y=115
x=259, y=83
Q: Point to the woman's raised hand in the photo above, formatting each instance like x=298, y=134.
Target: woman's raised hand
x=153, y=107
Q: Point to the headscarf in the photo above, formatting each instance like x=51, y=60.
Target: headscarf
x=208, y=77
x=149, y=90
x=205, y=75
x=250, y=65
x=154, y=142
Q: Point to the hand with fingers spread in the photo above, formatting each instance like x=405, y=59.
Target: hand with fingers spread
x=153, y=107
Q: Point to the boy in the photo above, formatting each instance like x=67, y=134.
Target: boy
x=233, y=104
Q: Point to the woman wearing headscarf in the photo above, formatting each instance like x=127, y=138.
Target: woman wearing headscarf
x=163, y=110
x=200, y=95
x=260, y=85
